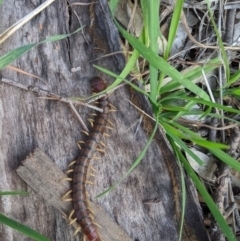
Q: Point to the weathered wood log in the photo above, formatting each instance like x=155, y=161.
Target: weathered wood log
x=27, y=122
x=45, y=177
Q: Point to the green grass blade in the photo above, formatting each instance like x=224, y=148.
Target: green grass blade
x=170, y=132
x=212, y=147
x=225, y=158
x=208, y=103
x=3, y=193
x=220, y=43
x=22, y=228
x=135, y=164
x=198, y=139
x=13, y=55
x=233, y=79
x=106, y=71
x=161, y=64
x=210, y=203
x=174, y=26
x=183, y=187
x=186, y=107
x=153, y=14
x=191, y=75
x=145, y=33
x=185, y=133
x=112, y=5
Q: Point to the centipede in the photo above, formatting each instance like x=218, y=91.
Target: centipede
x=79, y=196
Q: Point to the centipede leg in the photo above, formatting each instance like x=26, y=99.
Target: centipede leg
x=69, y=171
x=90, y=174
x=85, y=132
x=109, y=127
x=66, y=179
x=100, y=150
x=98, y=225
x=110, y=122
x=106, y=134
x=71, y=214
x=72, y=163
x=96, y=158
x=92, y=168
x=73, y=221
x=89, y=207
x=64, y=197
x=79, y=144
x=112, y=106
x=102, y=144
x=89, y=182
x=91, y=121
x=77, y=231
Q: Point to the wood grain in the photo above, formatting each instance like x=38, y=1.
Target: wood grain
x=45, y=177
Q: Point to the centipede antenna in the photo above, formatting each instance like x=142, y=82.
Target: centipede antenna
x=72, y=163
x=71, y=214
x=106, y=134
x=85, y=132
x=100, y=150
x=93, y=169
x=69, y=171
x=109, y=127
x=89, y=182
x=77, y=231
x=72, y=221
x=103, y=144
x=110, y=122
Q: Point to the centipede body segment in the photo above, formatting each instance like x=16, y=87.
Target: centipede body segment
x=79, y=196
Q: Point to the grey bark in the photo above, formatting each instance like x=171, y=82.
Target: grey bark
x=27, y=122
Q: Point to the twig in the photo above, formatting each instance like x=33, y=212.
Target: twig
x=198, y=124
x=78, y=117
x=184, y=21
x=5, y=35
x=45, y=94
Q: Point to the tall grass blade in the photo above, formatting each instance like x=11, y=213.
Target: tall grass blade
x=22, y=228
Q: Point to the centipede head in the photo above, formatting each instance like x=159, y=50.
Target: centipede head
x=98, y=84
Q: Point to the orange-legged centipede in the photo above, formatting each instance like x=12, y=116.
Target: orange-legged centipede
x=79, y=197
